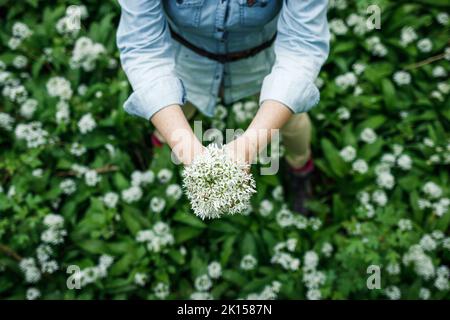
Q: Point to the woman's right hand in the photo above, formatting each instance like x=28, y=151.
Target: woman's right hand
x=173, y=126
x=186, y=151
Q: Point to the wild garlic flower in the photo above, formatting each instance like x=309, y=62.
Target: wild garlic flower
x=216, y=185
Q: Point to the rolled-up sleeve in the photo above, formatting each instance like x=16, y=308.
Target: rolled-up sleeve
x=301, y=48
x=147, y=57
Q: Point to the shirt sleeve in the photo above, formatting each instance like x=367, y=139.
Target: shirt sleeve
x=147, y=57
x=301, y=48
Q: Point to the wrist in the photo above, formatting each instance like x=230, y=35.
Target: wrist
x=188, y=150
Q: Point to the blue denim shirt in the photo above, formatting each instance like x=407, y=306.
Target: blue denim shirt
x=163, y=72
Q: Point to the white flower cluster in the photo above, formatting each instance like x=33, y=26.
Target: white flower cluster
x=140, y=279
x=337, y=4
x=312, y=277
x=284, y=258
x=202, y=284
x=77, y=149
x=378, y=49
x=86, y=123
x=378, y=197
x=44, y=254
x=140, y=178
x=402, y=78
x=53, y=235
x=421, y=262
x=92, y=274
x=217, y=122
x=248, y=262
x=385, y=179
x=343, y=113
x=85, y=53
x=92, y=178
x=425, y=45
x=28, y=108
x=348, y=153
x=68, y=186
x=285, y=218
x=13, y=88
x=405, y=224
x=442, y=152
x=327, y=249
x=346, y=80
x=132, y=194
x=216, y=185
x=174, y=191
x=32, y=133
x=265, y=207
x=59, y=87
x=442, y=278
x=156, y=238
x=161, y=290
x=338, y=27
x=70, y=24
x=434, y=199
x=110, y=199
x=393, y=268
x=157, y=204
x=393, y=292
x=30, y=270
x=33, y=293
x=408, y=35
x=20, y=61
x=164, y=175
x=244, y=112
x=62, y=112
x=358, y=22
x=6, y=121
x=20, y=32
x=269, y=292
x=214, y=270
x=360, y=166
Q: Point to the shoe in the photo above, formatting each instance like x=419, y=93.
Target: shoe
x=298, y=184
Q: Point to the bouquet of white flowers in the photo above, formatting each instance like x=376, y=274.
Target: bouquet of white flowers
x=217, y=185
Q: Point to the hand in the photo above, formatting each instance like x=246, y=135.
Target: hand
x=242, y=149
x=174, y=127
x=188, y=150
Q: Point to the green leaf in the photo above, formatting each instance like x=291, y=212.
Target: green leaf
x=183, y=234
x=131, y=221
x=189, y=219
x=93, y=246
x=227, y=249
x=248, y=245
x=333, y=158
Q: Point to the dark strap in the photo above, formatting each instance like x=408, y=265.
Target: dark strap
x=223, y=58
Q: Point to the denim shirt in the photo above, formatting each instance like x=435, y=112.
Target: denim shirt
x=163, y=72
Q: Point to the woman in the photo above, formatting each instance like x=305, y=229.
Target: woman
x=181, y=53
